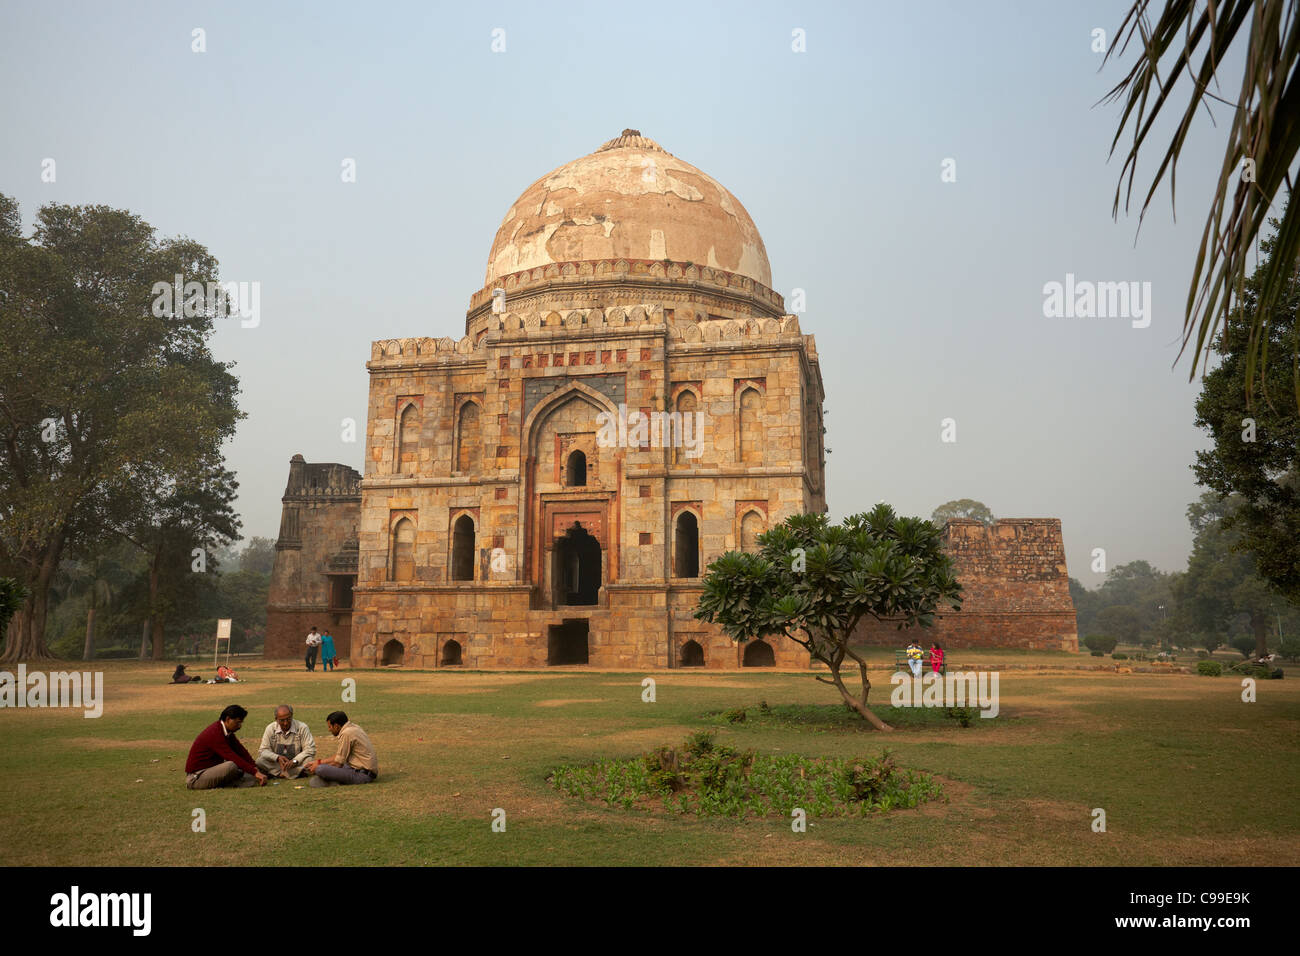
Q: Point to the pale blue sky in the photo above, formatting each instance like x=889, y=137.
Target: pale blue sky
x=925, y=297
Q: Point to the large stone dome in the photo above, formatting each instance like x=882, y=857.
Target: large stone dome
x=631, y=200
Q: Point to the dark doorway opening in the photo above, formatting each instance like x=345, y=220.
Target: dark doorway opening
x=450, y=653
x=341, y=591
x=567, y=643
x=576, y=571
x=575, y=475
x=692, y=654
x=686, y=555
x=462, y=549
x=393, y=653
x=759, y=654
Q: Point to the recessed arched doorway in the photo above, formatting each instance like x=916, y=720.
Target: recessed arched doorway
x=576, y=568
x=393, y=653
x=692, y=654
x=451, y=653
x=759, y=654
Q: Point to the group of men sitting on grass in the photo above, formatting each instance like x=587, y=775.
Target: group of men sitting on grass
x=218, y=759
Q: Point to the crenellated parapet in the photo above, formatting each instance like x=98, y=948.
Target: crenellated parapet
x=683, y=327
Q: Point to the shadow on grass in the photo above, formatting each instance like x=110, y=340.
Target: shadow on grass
x=838, y=719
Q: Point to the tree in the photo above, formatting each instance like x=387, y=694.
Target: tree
x=1221, y=585
x=195, y=514
x=258, y=556
x=1263, y=139
x=11, y=598
x=1121, y=622
x=1256, y=453
x=812, y=582
x=961, y=508
x=100, y=391
x=98, y=581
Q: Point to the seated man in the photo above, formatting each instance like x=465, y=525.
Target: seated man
x=218, y=759
x=287, y=745
x=355, y=761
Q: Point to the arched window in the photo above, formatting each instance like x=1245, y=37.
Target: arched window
x=751, y=436
x=686, y=405
x=408, y=442
x=401, y=559
x=462, y=549
x=751, y=526
x=469, y=442
x=686, y=553
x=575, y=473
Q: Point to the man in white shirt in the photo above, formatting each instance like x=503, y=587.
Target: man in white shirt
x=287, y=746
x=313, y=646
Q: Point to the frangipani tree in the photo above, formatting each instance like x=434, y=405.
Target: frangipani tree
x=812, y=582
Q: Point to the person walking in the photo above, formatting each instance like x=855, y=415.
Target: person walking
x=313, y=647
x=327, y=653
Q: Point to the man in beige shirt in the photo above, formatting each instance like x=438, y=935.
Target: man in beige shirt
x=355, y=761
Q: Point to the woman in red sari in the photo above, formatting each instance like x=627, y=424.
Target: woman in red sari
x=936, y=658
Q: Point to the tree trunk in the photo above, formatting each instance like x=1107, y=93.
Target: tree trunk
x=1259, y=624
x=156, y=631
x=144, y=638
x=88, y=654
x=26, y=638
x=859, y=705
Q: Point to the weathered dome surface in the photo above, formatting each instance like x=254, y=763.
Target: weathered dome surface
x=630, y=199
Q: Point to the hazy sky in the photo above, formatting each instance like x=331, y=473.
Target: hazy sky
x=926, y=297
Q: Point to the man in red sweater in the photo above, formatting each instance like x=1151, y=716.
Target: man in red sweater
x=218, y=759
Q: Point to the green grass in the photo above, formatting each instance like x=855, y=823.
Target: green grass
x=1186, y=772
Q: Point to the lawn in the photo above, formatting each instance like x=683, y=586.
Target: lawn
x=1186, y=772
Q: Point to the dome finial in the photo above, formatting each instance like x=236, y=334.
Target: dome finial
x=632, y=138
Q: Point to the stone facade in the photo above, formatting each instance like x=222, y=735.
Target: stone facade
x=629, y=401
x=315, y=558
x=1016, y=589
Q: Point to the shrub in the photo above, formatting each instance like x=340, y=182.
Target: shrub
x=1098, y=654
x=1209, y=668
x=1245, y=644
x=736, y=716
x=1124, y=657
x=1100, y=642
x=1203, y=655
x=963, y=715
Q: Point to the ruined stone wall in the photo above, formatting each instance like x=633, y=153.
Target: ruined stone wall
x=318, y=539
x=1016, y=590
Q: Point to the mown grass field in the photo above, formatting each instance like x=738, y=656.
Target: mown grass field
x=1186, y=772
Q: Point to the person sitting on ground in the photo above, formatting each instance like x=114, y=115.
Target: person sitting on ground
x=180, y=677
x=327, y=650
x=287, y=746
x=936, y=658
x=355, y=761
x=218, y=759
x=225, y=676
x=914, y=655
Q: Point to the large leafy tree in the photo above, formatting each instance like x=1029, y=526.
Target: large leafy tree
x=98, y=395
x=962, y=508
x=1221, y=586
x=1256, y=452
x=812, y=582
x=1180, y=55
